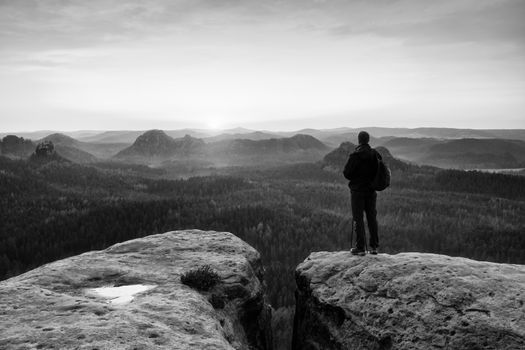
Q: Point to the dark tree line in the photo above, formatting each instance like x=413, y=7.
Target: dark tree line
x=57, y=210
x=498, y=185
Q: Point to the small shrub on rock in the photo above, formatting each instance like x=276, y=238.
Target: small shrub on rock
x=204, y=278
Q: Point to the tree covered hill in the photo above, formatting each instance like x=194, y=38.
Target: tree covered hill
x=156, y=143
x=155, y=146
x=70, y=149
x=16, y=147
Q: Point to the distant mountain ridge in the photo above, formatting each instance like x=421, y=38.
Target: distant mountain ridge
x=254, y=136
x=336, y=135
x=480, y=146
x=477, y=153
x=65, y=146
x=280, y=145
x=81, y=151
x=129, y=136
x=441, y=147
x=156, y=145
x=466, y=153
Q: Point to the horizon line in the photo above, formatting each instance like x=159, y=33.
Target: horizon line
x=250, y=129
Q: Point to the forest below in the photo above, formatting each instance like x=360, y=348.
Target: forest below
x=57, y=209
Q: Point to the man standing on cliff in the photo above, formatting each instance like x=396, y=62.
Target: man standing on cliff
x=360, y=170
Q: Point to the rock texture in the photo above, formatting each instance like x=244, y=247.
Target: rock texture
x=51, y=307
x=408, y=301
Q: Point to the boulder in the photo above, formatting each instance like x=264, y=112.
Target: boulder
x=130, y=296
x=408, y=301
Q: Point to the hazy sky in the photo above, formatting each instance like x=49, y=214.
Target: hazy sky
x=268, y=64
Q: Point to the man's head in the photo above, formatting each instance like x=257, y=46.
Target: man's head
x=363, y=138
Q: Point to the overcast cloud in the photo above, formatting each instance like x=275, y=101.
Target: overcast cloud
x=130, y=64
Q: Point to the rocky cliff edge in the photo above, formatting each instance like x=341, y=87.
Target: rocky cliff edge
x=130, y=296
x=408, y=301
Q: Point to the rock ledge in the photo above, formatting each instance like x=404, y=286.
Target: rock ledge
x=49, y=308
x=408, y=301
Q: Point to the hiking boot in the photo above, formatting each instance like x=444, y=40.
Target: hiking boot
x=356, y=251
x=373, y=251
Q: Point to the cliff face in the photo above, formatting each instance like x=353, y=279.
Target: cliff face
x=408, y=301
x=61, y=305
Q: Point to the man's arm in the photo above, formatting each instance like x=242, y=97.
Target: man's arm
x=349, y=167
x=376, y=163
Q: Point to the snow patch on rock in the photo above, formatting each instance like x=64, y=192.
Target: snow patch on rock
x=119, y=295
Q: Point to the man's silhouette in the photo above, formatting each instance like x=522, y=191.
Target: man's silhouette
x=360, y=170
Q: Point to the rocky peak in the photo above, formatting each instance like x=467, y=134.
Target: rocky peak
x=130, y=296
x=154, y=141
x=45, y=149
x=408, y=301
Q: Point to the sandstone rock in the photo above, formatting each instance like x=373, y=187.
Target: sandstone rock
x=408, y=301
x=57, y=305
x=45, y=149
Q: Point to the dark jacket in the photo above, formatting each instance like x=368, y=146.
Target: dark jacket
x=361, y=168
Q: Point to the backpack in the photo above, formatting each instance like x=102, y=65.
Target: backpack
x=382, y=178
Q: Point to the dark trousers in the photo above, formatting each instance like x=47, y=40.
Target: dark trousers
x=365, y=202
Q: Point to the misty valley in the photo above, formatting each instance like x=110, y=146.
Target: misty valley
x=281, y=192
